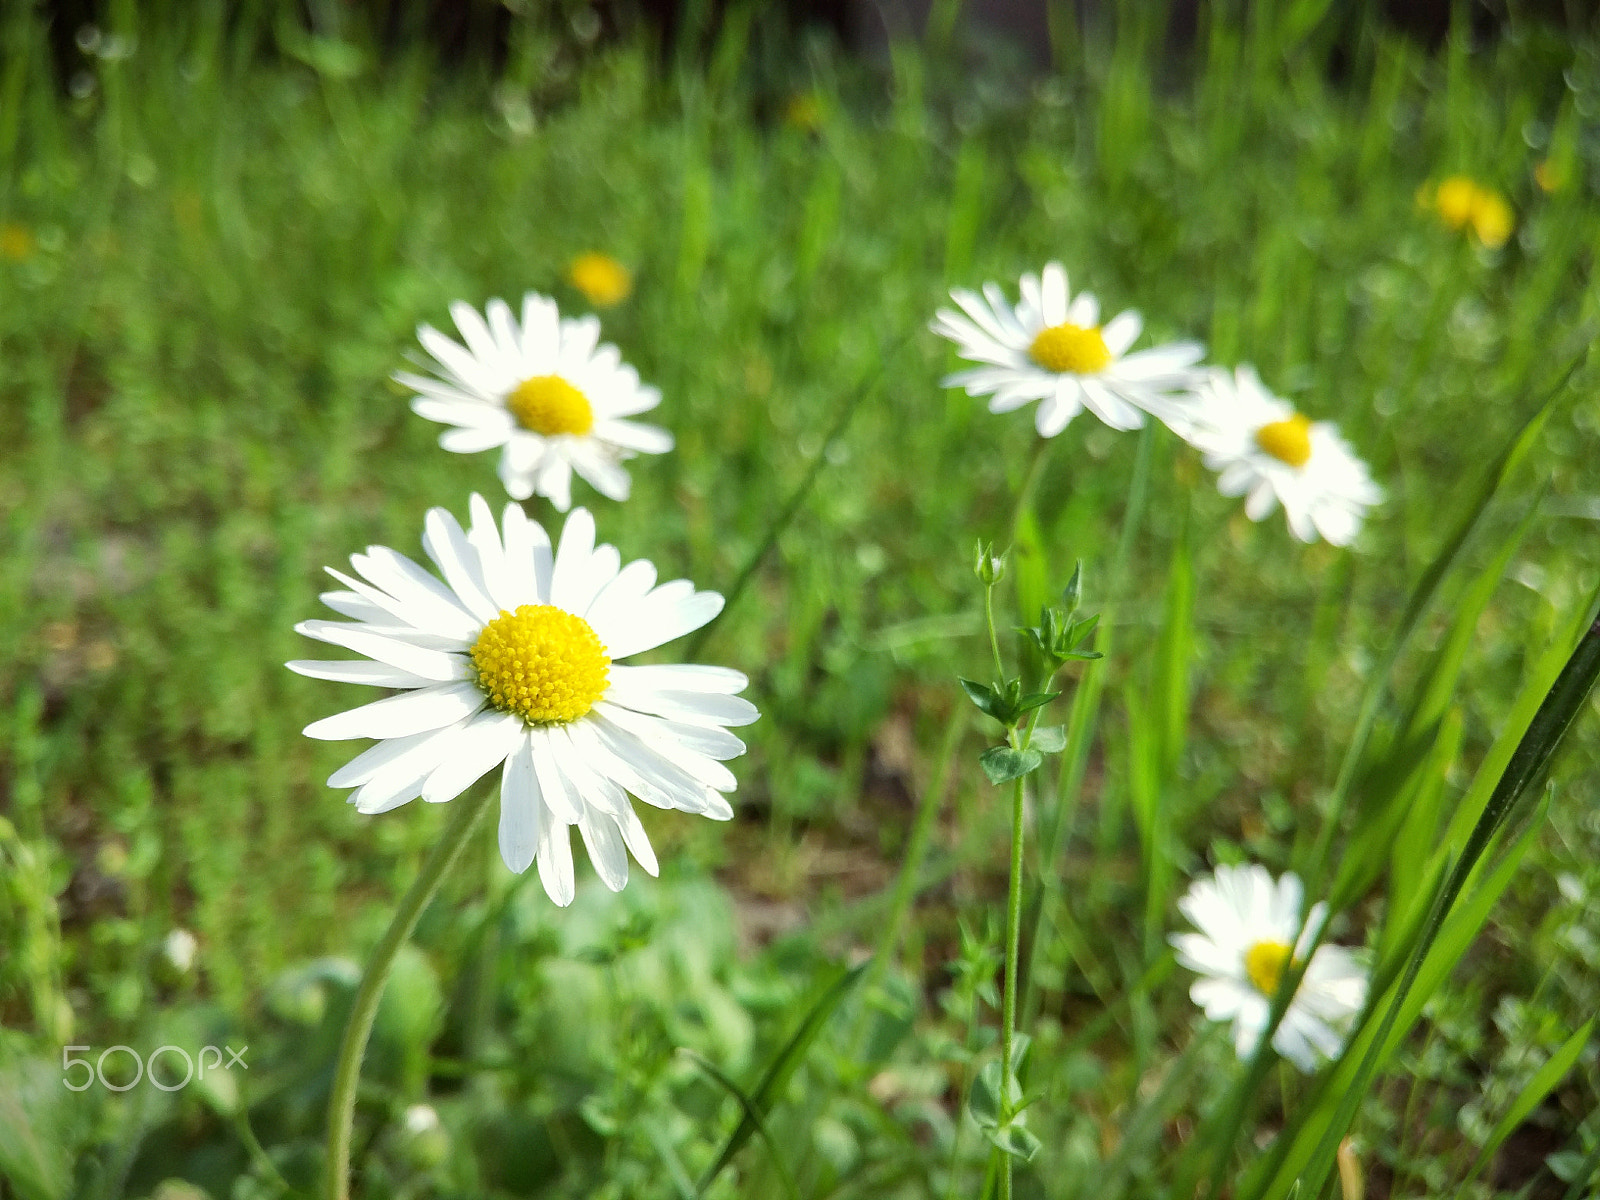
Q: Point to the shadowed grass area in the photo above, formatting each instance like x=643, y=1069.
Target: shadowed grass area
x=227, y=253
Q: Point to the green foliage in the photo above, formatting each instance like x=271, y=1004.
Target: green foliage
x=231, y=235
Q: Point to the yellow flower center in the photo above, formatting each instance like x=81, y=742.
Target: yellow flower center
x=1287, y=441
x=1264, y=962
x=1070, y=349
x=602, y=279
x=542, y=663
x=548, y=404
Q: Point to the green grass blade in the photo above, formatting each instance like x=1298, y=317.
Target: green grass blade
x=779, y=1070
x=1531, y=759
x=752, y=1117
x=1531, y=1096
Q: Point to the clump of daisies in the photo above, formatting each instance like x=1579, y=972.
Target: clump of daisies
x=547, y=393
x=1246, y=944
x=513, y=659
x=1267, y=452
x=1051, y=347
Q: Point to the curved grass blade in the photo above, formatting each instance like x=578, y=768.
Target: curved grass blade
x=1528, y=764
x=752, y=1116
x=847, y=411
x=778, y=1071
x=1532, y=1095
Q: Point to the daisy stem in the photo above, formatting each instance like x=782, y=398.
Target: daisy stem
x=1008, y=1003
x=347, y=1073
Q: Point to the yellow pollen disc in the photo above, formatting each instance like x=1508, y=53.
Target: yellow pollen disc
x=1264, y=962
x=1070, y=349
x=548, y=404
x=1287, y=441
x=542, y=663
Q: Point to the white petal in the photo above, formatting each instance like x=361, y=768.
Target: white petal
x=376, y=758
x=573, y=552
x=503, y=327
x=541, y=336
x=417, y=590
x=603, y=840
x=618, y=599
x=527, y=558
x=671, y=743
x=668, y=612
x=646, y=439
x=1121, y=332
x=472, y=440
x=480, y=343
x=565, y=806
x=638, y=842
x=597, y=468
x=521, y=809
x=397, y=716
x=1053, y=294
x=358, y=670
x=695, y=708
x=431, y=665
x=488, y=739
x=682, y=677
x=399, y=780
x=447, y=545
x=466, y=370
x=484, y=537
x=555, y=862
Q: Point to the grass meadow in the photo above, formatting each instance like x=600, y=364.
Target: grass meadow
x=219, y=239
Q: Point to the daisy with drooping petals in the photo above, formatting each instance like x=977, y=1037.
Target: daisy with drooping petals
x=548, y=392
x=1052, y=348
x=1271, y=454
x=1246, y=924
x=513, y=659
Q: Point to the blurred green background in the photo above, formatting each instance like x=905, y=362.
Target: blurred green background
x=221, y=228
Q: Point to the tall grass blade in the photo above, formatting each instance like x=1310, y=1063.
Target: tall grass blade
x=778, y=1071
x=1544, y=1082
x=752, y=1117
x=1528, y=764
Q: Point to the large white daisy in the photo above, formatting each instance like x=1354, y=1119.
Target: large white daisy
x=547, y=392
x=1052, y=348
x=1246, y=924
x=513, y=659
x=1271, y=454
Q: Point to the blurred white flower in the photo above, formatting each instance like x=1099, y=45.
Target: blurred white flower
x=512, y=659
x=547, y=393
x=1246, y=924
x=1052, y=348
x=178, y=948
x=1271, y=454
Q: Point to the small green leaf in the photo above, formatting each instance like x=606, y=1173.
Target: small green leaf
x=1015, y=1140
x=1001, y=763
x=984, y=696
x=1035, y=700
x=1049, y=739
x=983, y=1103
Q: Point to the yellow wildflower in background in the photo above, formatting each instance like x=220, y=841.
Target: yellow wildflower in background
x=602, y=279
x=16, y=242
x=1463, y=203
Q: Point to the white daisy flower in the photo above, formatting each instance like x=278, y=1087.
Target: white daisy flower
x=1052, y=348
x=514, y=659
x=1268, y=452
x=1246, y=923
x=548, y=393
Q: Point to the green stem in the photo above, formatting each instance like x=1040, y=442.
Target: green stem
x=347, y=1074
x=1008, y=1003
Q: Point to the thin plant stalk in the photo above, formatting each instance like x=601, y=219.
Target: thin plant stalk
x=1008, y=1002
x=364, y=1010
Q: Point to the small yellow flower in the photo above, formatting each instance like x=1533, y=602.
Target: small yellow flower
x=16, y=242
x=1463, y=203
x=602, y=279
